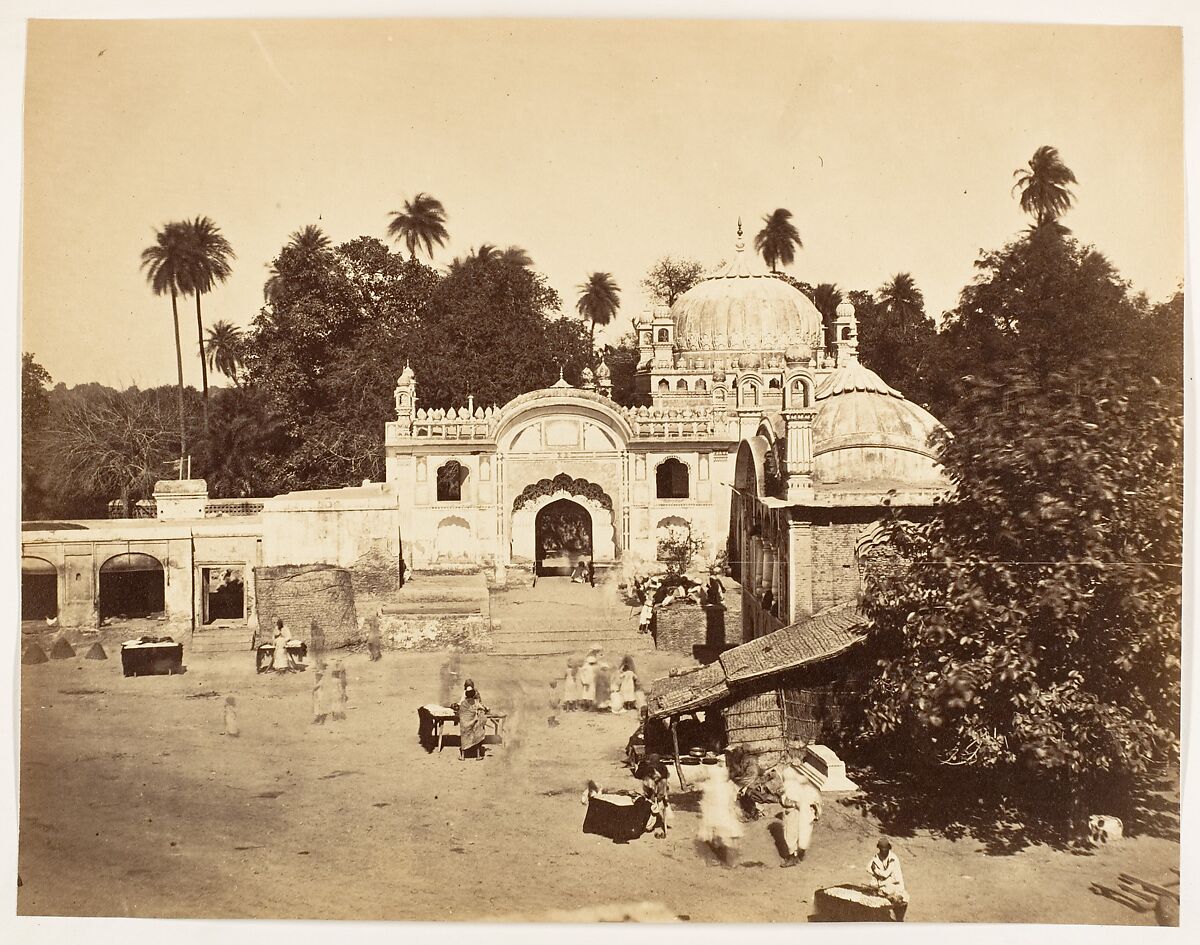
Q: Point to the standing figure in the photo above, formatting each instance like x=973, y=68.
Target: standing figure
x=231, y=723
x=340, y=698
x=587, y=683
x=374, y=639
x=888, y=879
x=646, y=616
x=570, y=695
x=627, y=684
x=279, y=658
x=801, y=800
x=603, y=688
x=472, y=714
x=720, y=826
x=554, y=703
x=320, y=708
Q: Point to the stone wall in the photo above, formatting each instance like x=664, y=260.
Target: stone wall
x=303, y=593
x=467, y=633
x=684, y=626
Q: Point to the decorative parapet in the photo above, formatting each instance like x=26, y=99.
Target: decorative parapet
x=684, y=423
x=461, y=423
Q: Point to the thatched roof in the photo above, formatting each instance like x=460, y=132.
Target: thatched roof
x=828, y=634
x=687, y=692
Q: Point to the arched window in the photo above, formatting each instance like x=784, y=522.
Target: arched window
x=450, y=479
x=664, y=384
x=671, y=478
x=799, y=392
x=647, y=337
x=773, y=384
x=700, y=385
x=663, y=335
x=719, y=393
x=750, y=395
x=681, y=384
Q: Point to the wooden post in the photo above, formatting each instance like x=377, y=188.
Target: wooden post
x=675, y=743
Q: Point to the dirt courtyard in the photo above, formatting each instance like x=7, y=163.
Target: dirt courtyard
x=133, y=803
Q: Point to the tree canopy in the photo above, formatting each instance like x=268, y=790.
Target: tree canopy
x=669, y=278
x=779, y=239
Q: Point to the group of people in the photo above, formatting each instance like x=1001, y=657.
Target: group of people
x=589, y=686
x=721, y=826
x=661, y=590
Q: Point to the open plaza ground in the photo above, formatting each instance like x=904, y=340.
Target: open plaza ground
x=133, y=803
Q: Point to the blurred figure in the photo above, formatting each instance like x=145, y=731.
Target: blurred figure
x=570, y=693
x=587, y=683
x=720, y=826
x=801, y=801
x=554, y=703
x=603, y=688
x=320, y=695
x=374, y=639
x=340, y=697
x=888, y=879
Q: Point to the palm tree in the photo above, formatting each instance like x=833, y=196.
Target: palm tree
x=516, y=256
x=1043, y=185
x=422, y=222
x=309, y=241
x=901, y=298
x=225, y=350
x=827, y=297
x=779, y=239
x=166, y=264
x=599, y=299
x=209, y=254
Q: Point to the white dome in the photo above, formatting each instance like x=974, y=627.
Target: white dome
x=866, y=431
x=739, y=310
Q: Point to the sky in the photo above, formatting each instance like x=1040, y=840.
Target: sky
x=595, y=145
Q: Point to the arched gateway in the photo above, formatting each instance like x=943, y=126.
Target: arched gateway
x=557, y=522
x=562, y=536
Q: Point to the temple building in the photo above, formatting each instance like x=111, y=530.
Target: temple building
x=771, y=451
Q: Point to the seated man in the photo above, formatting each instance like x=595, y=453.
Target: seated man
x=472, y=716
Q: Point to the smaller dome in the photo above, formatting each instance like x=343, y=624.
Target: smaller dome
x=845, y=309
x=602, y=371
x=586, y=375
x=795, y=354
x=866, y=431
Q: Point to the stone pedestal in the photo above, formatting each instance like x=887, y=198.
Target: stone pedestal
x=826, y=770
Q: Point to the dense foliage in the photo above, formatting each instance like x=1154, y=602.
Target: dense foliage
x=1037, y=634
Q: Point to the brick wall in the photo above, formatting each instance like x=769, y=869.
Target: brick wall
x=301, y=594
x=686, y=625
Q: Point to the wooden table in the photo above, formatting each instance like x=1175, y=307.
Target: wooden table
x=151, y=659
x=442, y=714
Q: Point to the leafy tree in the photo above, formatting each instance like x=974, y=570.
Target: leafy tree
x=422, y=222
x=239, y=453
x=167, y=264
x=209, y=255
x=1036, y=637
x=669, y=278
x=117, y=443
x=1043, y=186
x=622, y=360
x=35, y=410
x=225, y=349
x=599, y=299
x=309, y=242
x=779, y=239
x=488, y=331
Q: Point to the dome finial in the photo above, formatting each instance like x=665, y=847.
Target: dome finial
x=740, y=244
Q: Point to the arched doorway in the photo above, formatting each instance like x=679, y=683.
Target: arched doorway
x=132, y=585
x=562, y=536
x=39, y=589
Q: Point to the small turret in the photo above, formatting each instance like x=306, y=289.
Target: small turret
x=406, y=398
x=846, y=334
